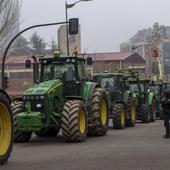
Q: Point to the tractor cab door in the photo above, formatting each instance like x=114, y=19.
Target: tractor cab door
x=73, y=80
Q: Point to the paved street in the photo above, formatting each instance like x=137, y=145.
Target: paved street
x=139, y=148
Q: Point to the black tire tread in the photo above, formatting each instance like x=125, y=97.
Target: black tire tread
x=19, y=137
x=70, y=121
x=117, y=109
x=145, y=117
x=97, y=129
x=130, y=122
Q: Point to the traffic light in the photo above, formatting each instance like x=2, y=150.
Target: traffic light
x=73, y=26
x=6, y=82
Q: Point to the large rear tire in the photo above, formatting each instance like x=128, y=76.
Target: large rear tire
x=6, y=129
x=99, y=114
x=119, y=116
x=145, y=114
x=74, y=121
x=18, y=135
x=131, y=112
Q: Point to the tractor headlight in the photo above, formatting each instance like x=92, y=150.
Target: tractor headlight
x=42, y=97
x=37, y=97
x=39, y=105
x=26, y=97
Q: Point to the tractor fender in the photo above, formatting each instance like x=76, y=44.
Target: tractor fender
x=150, y=98
x=87, y=93
x=5, y=94
x=126, y=96
x=88, y=89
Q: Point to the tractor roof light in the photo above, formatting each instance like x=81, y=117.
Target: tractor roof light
x=56, y=54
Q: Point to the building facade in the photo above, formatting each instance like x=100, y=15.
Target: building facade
x=74, y=41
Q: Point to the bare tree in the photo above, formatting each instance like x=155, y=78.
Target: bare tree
x=157, y=36
x=8, y=16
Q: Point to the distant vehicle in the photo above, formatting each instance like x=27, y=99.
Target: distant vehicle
x=122, y=108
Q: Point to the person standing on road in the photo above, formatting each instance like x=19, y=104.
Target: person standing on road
x=166, y=110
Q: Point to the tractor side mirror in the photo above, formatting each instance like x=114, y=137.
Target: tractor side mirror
x=73, y=26
x=28, y=63
x=89, y=61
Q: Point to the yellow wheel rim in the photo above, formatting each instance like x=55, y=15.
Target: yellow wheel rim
x=82, y=122
x=122, y=117
x=103, y=112
x=133, y=111
x=5, y=129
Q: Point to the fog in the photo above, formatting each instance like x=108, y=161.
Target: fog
x=104, y=23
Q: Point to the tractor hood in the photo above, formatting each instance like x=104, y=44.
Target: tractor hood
x=43, y=88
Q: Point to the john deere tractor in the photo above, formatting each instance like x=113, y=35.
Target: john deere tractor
x=122, y=108
x=6, y=128
x=145, y=99
x=159, y=88
x=61, y=99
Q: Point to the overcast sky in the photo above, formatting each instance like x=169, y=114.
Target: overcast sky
x=104, y=23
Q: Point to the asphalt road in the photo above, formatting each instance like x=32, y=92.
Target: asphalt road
x=138, y=148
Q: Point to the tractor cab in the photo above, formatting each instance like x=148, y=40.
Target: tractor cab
x=70, y=70
x=113, y=83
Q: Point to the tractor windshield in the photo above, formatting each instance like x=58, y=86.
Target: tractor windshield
x=133, y=87
x=113, y=83
x=56, y=71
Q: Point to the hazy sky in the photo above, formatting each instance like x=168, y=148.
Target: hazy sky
x=104, y=23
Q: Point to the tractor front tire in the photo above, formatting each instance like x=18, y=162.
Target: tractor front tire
x=6, y=129
x=119, y=116
x=74, y=121
x=19, y=137
x=99, y=114
x=131, y=111
x=145, y=114
x=152, y=110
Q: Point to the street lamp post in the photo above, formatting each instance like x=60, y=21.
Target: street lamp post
x=67, y=6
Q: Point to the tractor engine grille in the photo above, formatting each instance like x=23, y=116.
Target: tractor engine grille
x=37, y=103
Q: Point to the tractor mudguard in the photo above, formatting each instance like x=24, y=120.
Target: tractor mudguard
x=87, y=92
x=5, y=94
x=126, y=96
x=150, y=98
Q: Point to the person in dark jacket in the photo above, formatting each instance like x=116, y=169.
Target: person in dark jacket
x=166, y=110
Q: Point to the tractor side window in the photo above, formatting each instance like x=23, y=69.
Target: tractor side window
x=142, y=88
x=134, y=87
x=47, y=72
x=108, y=83
x=81, y=71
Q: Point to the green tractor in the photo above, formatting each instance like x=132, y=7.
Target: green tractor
x=145, y=99
x=62, y=98
x=159, y=88
x=6, y=128
x=122, y=108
